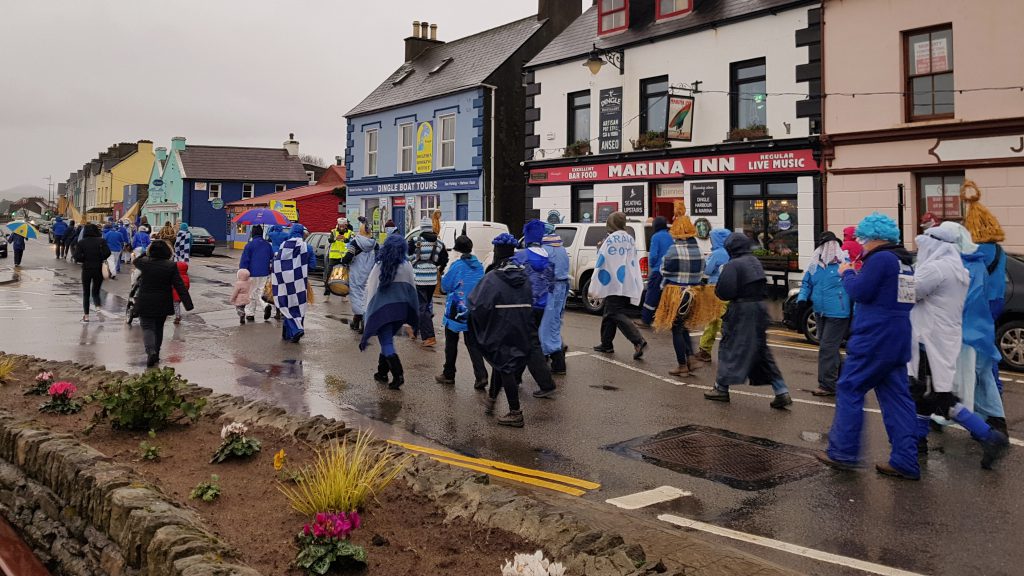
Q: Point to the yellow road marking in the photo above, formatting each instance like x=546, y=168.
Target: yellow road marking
x=516, y=477
x=586, y=484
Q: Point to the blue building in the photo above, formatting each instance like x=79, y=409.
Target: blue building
x=445, y=130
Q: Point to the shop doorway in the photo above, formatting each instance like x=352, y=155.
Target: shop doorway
x=665, y=207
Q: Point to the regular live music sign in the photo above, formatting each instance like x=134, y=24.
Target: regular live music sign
x=675, y=168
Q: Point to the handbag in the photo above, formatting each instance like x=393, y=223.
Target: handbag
x=338, y=282
x=106, y=270
x=268, y=292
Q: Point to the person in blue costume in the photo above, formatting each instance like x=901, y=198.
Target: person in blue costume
x=276, y=237
x=391, y=288
x=534, y=259
x=551, y=323
x=291, y=266
x=713, y=269
x=661, y=240
x=877, y=352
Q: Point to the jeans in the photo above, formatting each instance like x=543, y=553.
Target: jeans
x=650, y=307
x=153, y=333
x=551, y=322
x=451, y=352
x=386, y=339
x=707, y=339
x=831, y=332
x=682, y=343
x=255, y=295
x=426, y=294
x=507, y=381
x=91, y=282
x=615, y=317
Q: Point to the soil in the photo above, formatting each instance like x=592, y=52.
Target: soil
x=403, y=533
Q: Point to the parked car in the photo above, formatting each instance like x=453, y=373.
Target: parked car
x=321, y=242
x=801, y=320
x=3, y=245
x=581, y=240
x=480, y=232
x=203, y=242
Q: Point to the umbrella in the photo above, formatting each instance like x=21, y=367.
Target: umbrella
x=261, y=216
x=23, y=229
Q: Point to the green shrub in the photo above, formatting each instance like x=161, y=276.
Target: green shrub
x=148, y=401
x=206, y=491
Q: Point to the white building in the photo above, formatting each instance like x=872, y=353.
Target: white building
x=742, y=154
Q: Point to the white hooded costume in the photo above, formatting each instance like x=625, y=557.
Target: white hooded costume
x=937, y=317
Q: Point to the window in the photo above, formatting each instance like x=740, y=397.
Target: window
x=371, y=152
x=595, y=234
x=311, y=177
x=767, y=213
x=406, y=140
x=427, y=204
x=579, y=117
x=583, y=204
x=939, y=195
x=214, y=191
x=929, y=62
x=613, y=15
x=567, y=235
x=280, y=187
x=448, y=141
x=748, y=106
x=462, y=206
x=248, y=191
x=654, y=104
x=670, y=8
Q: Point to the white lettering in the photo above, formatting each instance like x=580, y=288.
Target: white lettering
x=614, y=170
x=641, y=169
x=677, y=167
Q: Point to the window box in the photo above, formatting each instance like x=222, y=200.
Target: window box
x=754, y=132
x=577, y=148
x=650, y=141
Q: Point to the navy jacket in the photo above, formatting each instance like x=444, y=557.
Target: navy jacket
x=501, y=317
x=881, y=326
x=257, y=258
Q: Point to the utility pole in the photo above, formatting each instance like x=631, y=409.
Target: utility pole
x=49, y=192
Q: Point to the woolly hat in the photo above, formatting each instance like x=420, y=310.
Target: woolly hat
x=504, y=246
x=983, y=226
x=257, y=231
x=463, y=244
x=616, y=221
x=682, y=227
x=878, y=226
x=533, y=232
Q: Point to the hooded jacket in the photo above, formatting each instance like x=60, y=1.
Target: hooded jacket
x=59, y=228
x=92, y=250
x=240, y=294
x=257, y=257
x=114, y=239
x=742, y=278
x=277, y=236
x=940, y=282
x=159, y=277
x=458, y=282
x=500, y=312
x=881, y=326
x=852, y=247
x=660, y=242
x=719, y=255
x=540, y=271
x=141, y=239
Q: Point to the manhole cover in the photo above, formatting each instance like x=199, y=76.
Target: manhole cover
x=739, y=461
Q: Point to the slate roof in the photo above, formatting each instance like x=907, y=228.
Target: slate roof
x=239, y=163
x=474, y=58
x=578, y=39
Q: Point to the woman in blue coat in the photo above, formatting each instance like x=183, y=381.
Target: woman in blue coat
x=458, y=282
x=823, y=287
x=877, y=352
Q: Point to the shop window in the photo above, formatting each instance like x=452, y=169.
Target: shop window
x=671, y=8
x=929, y=79
x=462, y=206
x=248, y=190
x=427, y=205
x=583, y=204
x=448, y=141
x=371, y=152
x=767, y=213
x=654, y=104
x=579, y=117
x=406, y=141
x=613, y=15
x=747, y=86
x=939, y=195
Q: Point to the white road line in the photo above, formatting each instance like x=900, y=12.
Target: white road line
x=575, y=353
x=819, y=555
x=648, y=497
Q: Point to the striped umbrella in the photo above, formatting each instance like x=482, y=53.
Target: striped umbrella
x=23, y=229
x=261, y=216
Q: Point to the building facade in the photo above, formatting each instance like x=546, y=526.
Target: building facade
x=711, y=103
x=317, y=206
x=934, y=119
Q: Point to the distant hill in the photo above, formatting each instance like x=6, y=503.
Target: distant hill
x=22, y=191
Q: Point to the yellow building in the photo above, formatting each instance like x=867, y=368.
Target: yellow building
x=125, y=164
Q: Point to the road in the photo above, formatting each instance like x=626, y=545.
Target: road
x=957, y=520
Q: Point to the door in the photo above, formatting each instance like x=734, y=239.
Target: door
x=398, y=217
x=664, y=208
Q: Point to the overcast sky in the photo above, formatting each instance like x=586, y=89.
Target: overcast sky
x=79, y=75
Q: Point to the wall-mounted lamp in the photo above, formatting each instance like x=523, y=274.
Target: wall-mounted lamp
x=598, y=57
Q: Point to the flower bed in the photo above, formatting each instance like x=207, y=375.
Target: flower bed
x=400, y=532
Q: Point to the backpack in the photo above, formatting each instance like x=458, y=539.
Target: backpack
x=995, y=261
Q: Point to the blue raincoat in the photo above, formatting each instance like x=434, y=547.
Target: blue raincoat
x=277, y=236
x=719, y=255
x=361, y=255
x=551, y=323
x=458, y=282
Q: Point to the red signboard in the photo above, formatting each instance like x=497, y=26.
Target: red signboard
x=944, y=207
x=676, y=168
x=399, y=201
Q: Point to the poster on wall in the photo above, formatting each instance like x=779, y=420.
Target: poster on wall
x=604, y=210
x=424, y=148
x=704, y=199
x=680, y=118
x=611, y=120
x=633, y=200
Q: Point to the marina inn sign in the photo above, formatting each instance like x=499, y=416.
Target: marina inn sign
x=749, y=163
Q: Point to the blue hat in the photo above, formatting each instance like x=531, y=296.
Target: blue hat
x=504, y=239
x=533, y=232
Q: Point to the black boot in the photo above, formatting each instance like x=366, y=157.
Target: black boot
x=558, y=363
x=362, y=325
x=396, y=370
x=382, y=369
x=998, y=424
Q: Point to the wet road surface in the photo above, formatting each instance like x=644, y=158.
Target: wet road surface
x=959, y=519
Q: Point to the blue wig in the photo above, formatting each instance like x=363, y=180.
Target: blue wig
x=297, y=230
x=391, y=255
x=878, y=226
x=504, y=238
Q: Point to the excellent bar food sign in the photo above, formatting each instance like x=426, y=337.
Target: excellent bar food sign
x=673, y=168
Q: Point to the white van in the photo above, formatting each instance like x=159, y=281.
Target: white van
x=480, y=232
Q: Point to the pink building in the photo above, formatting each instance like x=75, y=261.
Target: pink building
x=934, y=119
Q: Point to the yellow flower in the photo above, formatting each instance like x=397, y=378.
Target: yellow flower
x=279, y=459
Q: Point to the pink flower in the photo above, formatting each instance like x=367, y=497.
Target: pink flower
x=318, y=531
x=306, y=530
x=44, y=376
x=356, y=520
x=63, y=388
x=321, y=518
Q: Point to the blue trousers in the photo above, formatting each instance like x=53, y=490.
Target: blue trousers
x=386, y=338
x=551, y=322
x=861, y=373
x=652, y=298
x=987, y=399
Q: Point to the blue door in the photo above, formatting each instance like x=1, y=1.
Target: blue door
x=398, y=216
x=462, y=206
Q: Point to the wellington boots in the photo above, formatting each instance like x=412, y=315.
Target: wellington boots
x=396, y=371
x=354, y=324
x=382, y=369
x=997, y=423
x=362, y=324
x=558, y=363
x=994, y=448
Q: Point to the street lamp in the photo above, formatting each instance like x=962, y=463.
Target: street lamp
x=598, y=57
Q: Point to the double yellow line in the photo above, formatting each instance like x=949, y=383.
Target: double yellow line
x=539, y=478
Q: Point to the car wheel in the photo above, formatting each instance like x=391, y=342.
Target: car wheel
x=592, y=305
x=811, y=326
x=1010, y=340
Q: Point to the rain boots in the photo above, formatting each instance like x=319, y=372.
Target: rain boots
x=994, y=443
x=396, y=371
x=558, y=363
x=382, y=369
x=357, y=323
x=267, y=310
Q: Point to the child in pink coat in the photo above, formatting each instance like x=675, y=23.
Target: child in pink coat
x=240, y=295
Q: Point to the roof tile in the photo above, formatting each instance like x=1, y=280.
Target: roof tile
x=238, y=163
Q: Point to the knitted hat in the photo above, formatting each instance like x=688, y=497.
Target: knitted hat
x=878, y=226
x=682, y=227
x=504, y=246
x=463, y=244
x=983, y=226
x=533, y=232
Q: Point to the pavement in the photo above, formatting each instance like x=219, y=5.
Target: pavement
x=957, y=520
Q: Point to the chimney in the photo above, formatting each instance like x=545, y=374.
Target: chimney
x=339, y=160
x=291, y=145
x=161, y=154
x=178, y=143
x=424, y=37
x=558, y=13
